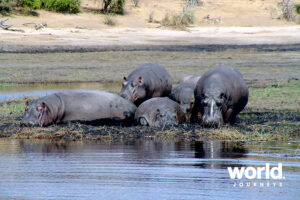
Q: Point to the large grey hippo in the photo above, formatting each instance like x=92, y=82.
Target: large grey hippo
x=159, y=111
x=183, y=93
x=147, y=81
x=220, y=95
x=85, y=106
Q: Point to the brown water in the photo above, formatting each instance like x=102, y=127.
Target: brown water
x=142, y=169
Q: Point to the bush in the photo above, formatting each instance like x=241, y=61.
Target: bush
x=109, y=20
x=287, y=10
x=6, y=6
x=64, y=6
x=33, y=4
x=298, y=9
x=113, y=6
x=136, y=3
x=151, y=17
x=183, y=19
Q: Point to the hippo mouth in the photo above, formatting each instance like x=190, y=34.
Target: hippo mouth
x=30, y=124
x=216, y=122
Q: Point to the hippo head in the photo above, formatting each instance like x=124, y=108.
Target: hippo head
x=187, y=100
x=36, y=114
x=211, y=107
x=133, y=90
x=159, y=118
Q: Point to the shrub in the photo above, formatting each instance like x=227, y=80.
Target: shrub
x=64, y=6
x=33, y=4
x=6, y=6
x=151, y=17
x=298, y=9
x=190, y=3
x=109, y=20
x=183, y=19
x=166, y=20
x=136, y=3
x=113, y=6
x=287, y=9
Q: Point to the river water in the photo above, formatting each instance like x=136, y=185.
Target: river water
x=39, y=90
x=143, y=169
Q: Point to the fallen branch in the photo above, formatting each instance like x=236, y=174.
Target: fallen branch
x=36, y=26
x=8, y=27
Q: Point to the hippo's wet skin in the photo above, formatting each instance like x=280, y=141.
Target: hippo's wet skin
x=82, y=106
x=147, y=81
x=159, y=111
x=220, y=95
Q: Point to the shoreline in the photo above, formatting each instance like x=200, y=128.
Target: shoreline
x=175, y=48
x=150, y=39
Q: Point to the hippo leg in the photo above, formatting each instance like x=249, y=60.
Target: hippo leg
x=227, y=115
x=194, y=115
x=230, y=116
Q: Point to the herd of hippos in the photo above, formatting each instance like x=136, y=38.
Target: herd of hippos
x=148, y=98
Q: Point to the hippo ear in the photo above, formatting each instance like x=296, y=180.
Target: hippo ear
x=125, y=79
x=27, y=103
x=141, y=80
x=42, y=107
x=124, y=83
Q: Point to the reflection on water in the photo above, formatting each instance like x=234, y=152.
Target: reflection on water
x=142, y=169
x=34, y=90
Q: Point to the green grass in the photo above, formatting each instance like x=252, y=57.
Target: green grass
x=12, y=108
x=282, y=96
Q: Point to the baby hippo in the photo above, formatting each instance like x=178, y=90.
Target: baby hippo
x=183, y=93
x=220, y=95
x=85, y=106
x=191, y=79
x=159, y=111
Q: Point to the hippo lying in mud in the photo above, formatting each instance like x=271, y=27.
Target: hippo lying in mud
x=147, y=81
x=183, y=93
x=159, y=111
x=85, y=106
x=191, y=79
x=220, y=95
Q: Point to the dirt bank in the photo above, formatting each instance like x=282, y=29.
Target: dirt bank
x=214, y=38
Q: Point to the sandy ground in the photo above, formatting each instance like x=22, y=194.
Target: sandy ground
x=242, y=22
x=150, y=36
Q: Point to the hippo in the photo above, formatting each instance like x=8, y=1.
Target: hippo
x=147, y=81
x=191, y=79
x=158, y=112
x=220, y=94
x=183, y=93
x=76, y=105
